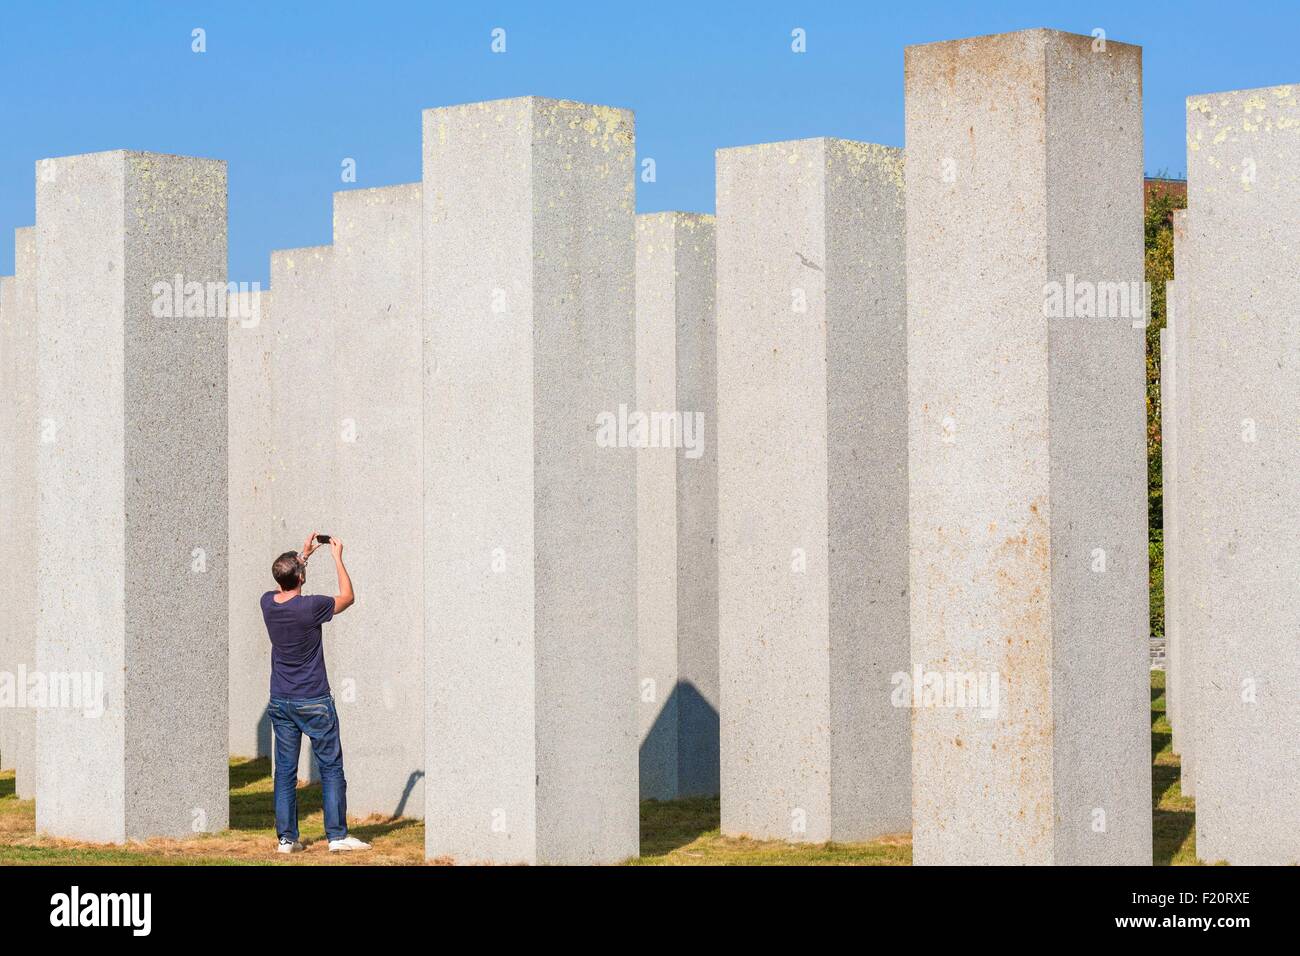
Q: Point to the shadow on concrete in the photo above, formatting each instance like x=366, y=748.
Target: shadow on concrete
x=415, y=777
x=264, y=735
x=679, y=773
x=679, y=755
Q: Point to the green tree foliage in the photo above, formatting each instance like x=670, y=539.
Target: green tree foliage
x=1159, y=236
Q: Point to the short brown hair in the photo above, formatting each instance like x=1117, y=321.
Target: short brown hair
x=287, y=570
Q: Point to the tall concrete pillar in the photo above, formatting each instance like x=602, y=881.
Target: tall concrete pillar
x=530, y=519
x=251, y=439
x=812, y=490
x=1243, y=460
x=132, y=575
x=344, y=384
x=1169, y=512
x=1027, y=450
x=18, y=495
x=677, y=505
x=8, y=433
x=308, y=431
x=1182, y=597
x=8, y=653
x=376, y=650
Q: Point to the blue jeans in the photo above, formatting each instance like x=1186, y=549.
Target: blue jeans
x=318, y=719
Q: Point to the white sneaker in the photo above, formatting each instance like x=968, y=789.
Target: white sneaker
x=287, y=847
x=347, y=844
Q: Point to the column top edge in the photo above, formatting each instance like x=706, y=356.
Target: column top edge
x=342, y=198
x=302, y=251
x=1045, y=32
x=530, y=100
x=362, y=190
x=674, y=214
x=807, y=141
x=138, y=153
x=1280, y=90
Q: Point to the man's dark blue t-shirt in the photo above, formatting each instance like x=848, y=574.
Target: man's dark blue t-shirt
x=297, y=654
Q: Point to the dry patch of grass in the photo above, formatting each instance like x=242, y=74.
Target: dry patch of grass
x=680, y=832
x=674, y=833
x=249, y=841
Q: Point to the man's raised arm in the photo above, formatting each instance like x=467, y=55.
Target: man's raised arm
x=345, y=598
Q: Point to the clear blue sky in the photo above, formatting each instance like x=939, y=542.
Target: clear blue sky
x=287, y=90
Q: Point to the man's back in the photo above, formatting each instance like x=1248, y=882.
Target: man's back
x=297, y=652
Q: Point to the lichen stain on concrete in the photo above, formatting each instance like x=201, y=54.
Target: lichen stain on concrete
x=859, y=156
x=1021, y=571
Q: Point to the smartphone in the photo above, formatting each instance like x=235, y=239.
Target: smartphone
x=322, y=539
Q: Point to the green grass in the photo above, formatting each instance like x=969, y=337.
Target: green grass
x=686, y=833
x=673, y=833
x=55, y=856
x=250, y=840
x=1173, y=816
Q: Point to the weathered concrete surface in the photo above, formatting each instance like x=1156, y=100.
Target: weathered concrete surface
x=1185, y=594
x=677, y=555
x=251, y=347
x=132, y=472
x=342, y=384
x=1243, y=541
x=7, y=651
x=8, y=438
x=308, y=430
x=18, y=494
x=812, y=488
x=376, y=650
x=1027, y=451
x=1169, y=481
x=529, y=549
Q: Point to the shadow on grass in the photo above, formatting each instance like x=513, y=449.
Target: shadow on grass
x=255, y=810
x=252, y=802
x=245, y=773
x=670, y=825
x=1173, y=817
x=380, y=828
x=1170, y=827
x=7, y=786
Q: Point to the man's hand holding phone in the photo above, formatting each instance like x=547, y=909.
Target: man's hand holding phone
x=308, y=547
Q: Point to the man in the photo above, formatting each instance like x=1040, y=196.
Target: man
x=300, y=694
